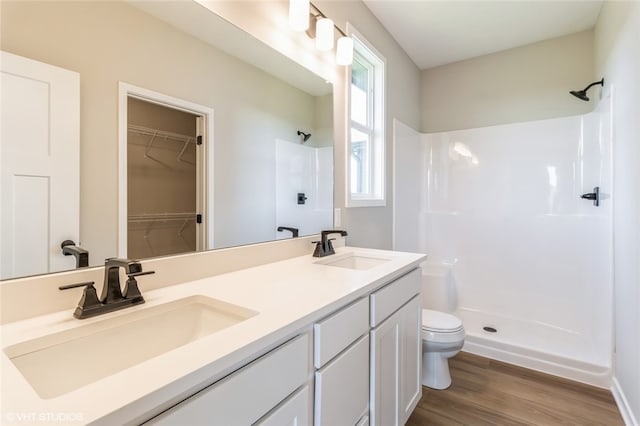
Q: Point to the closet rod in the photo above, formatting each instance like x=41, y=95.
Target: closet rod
x=161, y=217
x=134, y=128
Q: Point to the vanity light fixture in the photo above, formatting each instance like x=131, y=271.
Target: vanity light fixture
x=344, y=51
x=324, y=34
x=299, y=15
x=322, y=28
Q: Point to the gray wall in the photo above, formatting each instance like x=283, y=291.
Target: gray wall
x=617, y=58
x=521, y=84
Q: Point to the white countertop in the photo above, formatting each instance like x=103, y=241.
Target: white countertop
x=288, y=295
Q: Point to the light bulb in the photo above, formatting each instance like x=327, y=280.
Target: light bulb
x=324, y=34
x=299, y=14
x=344, y=51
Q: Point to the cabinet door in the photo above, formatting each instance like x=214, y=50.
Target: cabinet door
x=342, y=387
x=385, y=369
x=396, y=351
x=410, y=357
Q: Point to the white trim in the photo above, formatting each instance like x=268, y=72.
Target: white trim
x=623, y=404
x=124, y=91
x=380, y=103
x=591, y=374
x=394, y=190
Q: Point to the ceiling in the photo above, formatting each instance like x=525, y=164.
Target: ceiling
x=435, y=33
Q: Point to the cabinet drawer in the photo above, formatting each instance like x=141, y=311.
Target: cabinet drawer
x=387, y=300
x=248, y=394
x=333, y=334
x=342, y=387
x=295, y=410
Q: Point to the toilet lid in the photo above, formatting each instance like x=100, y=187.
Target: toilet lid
x=440, y=321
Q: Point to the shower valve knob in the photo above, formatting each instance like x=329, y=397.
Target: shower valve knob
x=595, y=196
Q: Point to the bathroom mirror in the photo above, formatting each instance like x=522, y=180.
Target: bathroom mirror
x=263, y=171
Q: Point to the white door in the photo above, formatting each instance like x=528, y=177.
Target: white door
x=39, y=181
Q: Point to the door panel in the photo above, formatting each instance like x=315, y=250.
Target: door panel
x=411, y=358
x=40, y=179
x=385, y=363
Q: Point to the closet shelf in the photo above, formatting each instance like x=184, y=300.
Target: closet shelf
x=160, y=133
x=155, y=133
x=161, y=217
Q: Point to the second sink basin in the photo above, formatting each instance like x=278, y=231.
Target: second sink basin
x=65, y=361
x=356, y=261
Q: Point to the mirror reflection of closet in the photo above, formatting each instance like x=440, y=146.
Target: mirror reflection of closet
x=162, y=187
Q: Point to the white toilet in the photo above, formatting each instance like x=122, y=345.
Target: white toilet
x=442, y=333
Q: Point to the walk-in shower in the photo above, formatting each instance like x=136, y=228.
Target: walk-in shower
x=501, y=207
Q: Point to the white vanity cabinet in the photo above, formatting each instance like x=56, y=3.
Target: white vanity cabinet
x=396, y=350
x=294, y=411
x=362, y=369
x=252, y=392
x=341, y=355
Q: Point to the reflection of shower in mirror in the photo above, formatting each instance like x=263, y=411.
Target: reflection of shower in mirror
x=303, y=136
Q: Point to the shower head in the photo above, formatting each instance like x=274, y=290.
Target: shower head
x=305, y=136
x=582, y=94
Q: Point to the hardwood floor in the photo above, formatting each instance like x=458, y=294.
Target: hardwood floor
x=488, y=392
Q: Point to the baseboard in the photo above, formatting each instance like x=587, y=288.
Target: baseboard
x=589, y=374
x=623, y=404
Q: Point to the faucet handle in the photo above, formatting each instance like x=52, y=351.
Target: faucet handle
x=131, y=290
x=138, y=274
x=88, y=302
x=76, y=285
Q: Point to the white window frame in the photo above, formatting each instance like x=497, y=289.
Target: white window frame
x=376, y=196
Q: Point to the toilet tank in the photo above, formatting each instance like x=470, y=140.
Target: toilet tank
x=438, y=287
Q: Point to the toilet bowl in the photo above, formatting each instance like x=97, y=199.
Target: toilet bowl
x=442, y=338
x=442, y=333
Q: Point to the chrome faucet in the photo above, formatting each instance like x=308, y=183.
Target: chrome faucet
x=324, y=247
x=112, y=298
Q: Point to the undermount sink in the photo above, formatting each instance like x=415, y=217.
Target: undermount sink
x=355, y=261
x=65, y=361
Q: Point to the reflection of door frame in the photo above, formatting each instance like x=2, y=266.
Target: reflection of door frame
x=205, y=174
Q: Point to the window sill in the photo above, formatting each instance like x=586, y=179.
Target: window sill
x=366, y=203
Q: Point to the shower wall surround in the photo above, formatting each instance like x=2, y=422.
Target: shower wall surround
x=308, y=170
x=501, y=205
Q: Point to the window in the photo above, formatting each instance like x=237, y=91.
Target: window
x=365, y=186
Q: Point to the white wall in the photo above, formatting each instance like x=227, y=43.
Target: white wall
x=522, y=84
x=617, y=58
x=408, y=187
